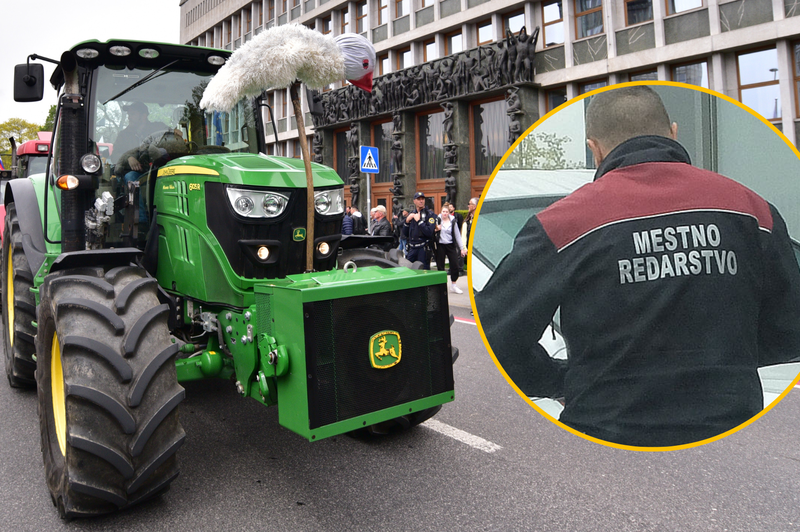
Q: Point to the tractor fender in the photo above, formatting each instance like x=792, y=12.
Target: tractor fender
x=22, y=193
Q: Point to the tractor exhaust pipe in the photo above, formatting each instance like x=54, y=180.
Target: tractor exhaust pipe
x=73, y=126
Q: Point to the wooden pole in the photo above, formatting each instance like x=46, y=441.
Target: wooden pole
x=298, y=114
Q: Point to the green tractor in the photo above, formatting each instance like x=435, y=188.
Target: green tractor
x=183, y=256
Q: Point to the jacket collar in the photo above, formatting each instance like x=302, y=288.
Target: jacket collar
x=644, y=149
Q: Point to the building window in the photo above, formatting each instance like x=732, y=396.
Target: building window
x=425, y=3
x=431, y=145
x=270, y=9
x=230, y=30
x=383, y=64
x=383, y=12
x=344, y=18
x=404, y=58
x=553, y=16
x=555, y=97
x=758, y=82
x=249, y=21
x=513, y=22
x=485, y=32
x=281, y=98
x=400, y=8
x=327, y=25
x=592, y=85
x=692, y=73
x=382, y=139
x=283, y=6
x=429, y=51
x=490, y=135
x=679, y=6
x=638, y=11
x=646, y=75
x=295, y=3
x=362, y=22
x=296, y=151
x=797, y=78
x=588, y=18
x=260, y=17
x=453, y=44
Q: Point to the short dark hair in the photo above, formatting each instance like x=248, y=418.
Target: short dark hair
x=617, y=115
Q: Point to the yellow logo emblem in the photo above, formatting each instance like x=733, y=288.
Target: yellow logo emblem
x=194, y=186
x=431, y=221
x=299, y=234
x=384, y=349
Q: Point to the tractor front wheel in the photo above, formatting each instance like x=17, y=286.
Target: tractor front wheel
x=108, y=390
x=19, y=306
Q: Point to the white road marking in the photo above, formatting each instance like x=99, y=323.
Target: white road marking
x=462, y=436
x=464, y=320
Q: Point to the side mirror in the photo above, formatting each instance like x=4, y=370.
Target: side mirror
x=28, y=82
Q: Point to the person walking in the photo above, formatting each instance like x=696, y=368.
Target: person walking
x=450, y=245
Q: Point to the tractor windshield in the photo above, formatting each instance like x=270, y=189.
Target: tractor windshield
x=160, y=119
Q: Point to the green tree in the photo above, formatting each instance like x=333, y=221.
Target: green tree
x=51, y=118
x=20, y=130
x=541, y=151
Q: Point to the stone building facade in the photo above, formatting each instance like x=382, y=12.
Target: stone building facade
x=746, y=49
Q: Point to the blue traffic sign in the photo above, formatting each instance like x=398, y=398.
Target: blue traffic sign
x=369, y=160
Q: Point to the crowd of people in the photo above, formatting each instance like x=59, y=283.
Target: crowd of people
x=419, y=233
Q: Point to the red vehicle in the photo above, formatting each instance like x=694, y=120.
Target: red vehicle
x=31, y=156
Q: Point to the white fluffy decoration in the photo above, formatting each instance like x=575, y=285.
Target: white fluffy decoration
x=275, y=59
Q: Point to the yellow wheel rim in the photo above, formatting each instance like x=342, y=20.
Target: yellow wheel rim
x=57, y=391
x=10, y=296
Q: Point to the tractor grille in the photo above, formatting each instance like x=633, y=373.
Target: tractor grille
x=343, y=384
x=235, y=233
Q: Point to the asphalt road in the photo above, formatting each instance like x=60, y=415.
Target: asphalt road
x=241, y=471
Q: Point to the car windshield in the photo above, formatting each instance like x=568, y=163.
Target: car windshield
x=163, y=113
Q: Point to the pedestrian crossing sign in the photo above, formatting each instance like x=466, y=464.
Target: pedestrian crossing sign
x=369, y=159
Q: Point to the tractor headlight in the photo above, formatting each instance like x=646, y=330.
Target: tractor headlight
x=273, y=204
x=244, y=205
x=329, y=202
x=257, y=204
x=91, y=163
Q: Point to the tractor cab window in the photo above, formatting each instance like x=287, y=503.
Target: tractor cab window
x=36, y=165
x=144, y=123
x=142, y=120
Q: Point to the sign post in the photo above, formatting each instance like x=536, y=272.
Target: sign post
x=370, y=164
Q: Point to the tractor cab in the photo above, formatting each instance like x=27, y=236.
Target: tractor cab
x=31, y=156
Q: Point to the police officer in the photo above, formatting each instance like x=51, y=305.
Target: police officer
x=418, y=230
x=675, y=285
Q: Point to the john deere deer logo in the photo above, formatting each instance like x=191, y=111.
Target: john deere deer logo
x=299, y=234
x=384, y=349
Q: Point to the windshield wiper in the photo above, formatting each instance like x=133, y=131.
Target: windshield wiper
x=140, y=82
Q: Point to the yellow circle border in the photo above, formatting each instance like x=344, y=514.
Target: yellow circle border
x=472, y=295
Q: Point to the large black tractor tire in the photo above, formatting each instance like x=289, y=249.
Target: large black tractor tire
x=19, y=306
x=386, y=259
x=108, y=391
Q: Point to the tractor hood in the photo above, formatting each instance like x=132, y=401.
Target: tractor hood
x=256, y=170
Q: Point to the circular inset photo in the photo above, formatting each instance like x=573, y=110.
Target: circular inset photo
x=635, y=266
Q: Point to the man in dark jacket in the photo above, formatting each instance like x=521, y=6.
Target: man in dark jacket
x=359, y=224
x=347, y=223
x=418, y=229
x=381, y=226
x=675, y=284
